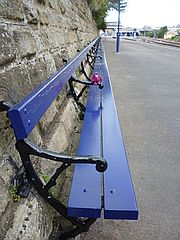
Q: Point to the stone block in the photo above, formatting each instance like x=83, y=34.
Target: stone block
x=58, y=59
x=42, y=42
x=74, y=26
x=35, y=136
x=62, y=7
x=56, y=37
x=53, y=4
x=59, y=139
x=8, y=50
x=25, y=43
x=58, y=142
x=8, y=166
x=50, y=63
x=4, y=196
x=72, y=37
x=54, y=18
x=15, y=83
x=43, y=16
x=37, y=72
x=31, y=221
x=41, y=1
x=13, y=10
x=48, y=118
x=69, y=117
x=30, y=10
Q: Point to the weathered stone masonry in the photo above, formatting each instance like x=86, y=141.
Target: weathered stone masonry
x=35, y=35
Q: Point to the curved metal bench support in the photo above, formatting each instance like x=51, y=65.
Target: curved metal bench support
x=74, y=94
x=26, y=149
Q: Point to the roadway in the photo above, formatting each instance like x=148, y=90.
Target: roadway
x=146, y=83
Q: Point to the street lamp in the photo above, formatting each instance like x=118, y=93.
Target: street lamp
x=118, y=31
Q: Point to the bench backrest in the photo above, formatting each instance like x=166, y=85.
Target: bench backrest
x=26, y=114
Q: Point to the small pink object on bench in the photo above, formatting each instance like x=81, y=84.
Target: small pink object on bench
x=96, y=79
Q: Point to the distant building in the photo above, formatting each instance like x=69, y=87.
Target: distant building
x=112, y=28
x=170, y=34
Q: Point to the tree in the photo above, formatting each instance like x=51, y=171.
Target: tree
x=162, y=31
x=100, y=8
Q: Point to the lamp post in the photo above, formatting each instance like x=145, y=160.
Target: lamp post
x=118, y=31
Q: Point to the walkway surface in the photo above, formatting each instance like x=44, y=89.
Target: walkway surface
x=146, y=84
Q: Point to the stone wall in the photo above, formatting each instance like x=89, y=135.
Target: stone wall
x=35, y=35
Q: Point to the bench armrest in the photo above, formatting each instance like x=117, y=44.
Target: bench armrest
x=31, y=149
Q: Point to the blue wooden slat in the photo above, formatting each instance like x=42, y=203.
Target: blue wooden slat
x=85, y=195
x=119, y=197
x=26, y=114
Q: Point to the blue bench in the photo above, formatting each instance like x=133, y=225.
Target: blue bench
x=108, y=186
x=101, y=136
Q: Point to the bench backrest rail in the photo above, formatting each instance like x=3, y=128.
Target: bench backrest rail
x=26, y=114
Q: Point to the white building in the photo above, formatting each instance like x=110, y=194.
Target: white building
x=112, y=28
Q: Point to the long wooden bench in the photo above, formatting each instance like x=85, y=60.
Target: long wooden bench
x=101, y=178
x=101, y=136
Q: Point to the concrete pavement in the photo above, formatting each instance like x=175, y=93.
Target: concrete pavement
x=146, y=84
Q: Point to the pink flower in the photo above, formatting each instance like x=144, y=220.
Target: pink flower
x=96, y=79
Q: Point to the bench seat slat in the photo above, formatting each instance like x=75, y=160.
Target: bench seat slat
x=85, y=195
x=119, y=197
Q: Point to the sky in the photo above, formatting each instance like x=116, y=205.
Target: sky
x=154, y=13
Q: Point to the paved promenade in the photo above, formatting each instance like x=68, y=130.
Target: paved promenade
x=146, y=84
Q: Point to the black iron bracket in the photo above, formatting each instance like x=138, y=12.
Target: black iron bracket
x=31, y=149
x=26, y=149
x=21, y=183
x=92, y=56
x=83, y=71
x=93, y=59
x=5, y=106
x=90, y=62
x=74, y=94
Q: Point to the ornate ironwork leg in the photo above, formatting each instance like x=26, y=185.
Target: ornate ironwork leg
x=77, y=97
x=25, y=149
x=83, y=71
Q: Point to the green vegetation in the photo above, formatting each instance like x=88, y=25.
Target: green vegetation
x=100, y=8
x=14, y=195
x=176, y=38
x=149, y=33
x=157, y=33
x=162, y=31
x=46, y=179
